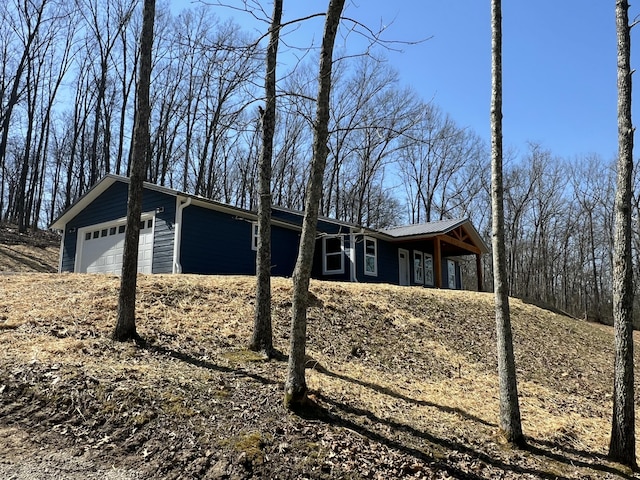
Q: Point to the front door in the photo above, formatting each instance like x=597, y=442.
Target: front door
x=403, y=266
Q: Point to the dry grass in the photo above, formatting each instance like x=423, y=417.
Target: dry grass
x=404, y=374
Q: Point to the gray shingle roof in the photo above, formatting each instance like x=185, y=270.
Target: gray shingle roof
x=431, y=228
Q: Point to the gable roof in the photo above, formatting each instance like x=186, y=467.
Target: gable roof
x=109, y=179
x=432, y=229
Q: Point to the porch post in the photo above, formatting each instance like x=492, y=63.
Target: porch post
x=479, y=271
x=437, y=260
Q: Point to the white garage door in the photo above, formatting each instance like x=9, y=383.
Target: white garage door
x=100, y=248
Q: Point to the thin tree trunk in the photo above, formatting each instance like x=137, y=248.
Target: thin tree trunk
x=262, y=338
x=622, y=446
x=296, y=385
x=509, y=407
x=126, y=325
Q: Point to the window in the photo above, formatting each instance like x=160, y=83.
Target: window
x=428, y=269
x=87, y=236
x=451, y=271
x=332, y=257
x=96, y=234
x=150, y=223
x=122, y=228
x=254, y=236
x=418, y=272
x=370, y=256
x=112, y=231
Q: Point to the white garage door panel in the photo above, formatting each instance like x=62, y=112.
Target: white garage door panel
x=101, y=249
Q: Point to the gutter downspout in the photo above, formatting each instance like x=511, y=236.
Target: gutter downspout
x=177, y=267
x=64, y=232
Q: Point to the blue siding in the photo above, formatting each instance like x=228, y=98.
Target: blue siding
x=388, y=270
x=220, y=243
x=164, y=232
x=112, y=205
x=215, y=242
x=284, y=251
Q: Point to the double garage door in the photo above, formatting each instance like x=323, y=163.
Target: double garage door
x=100, y=248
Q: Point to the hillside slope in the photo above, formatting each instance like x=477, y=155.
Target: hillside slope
x=403, y=378
x=30, y=252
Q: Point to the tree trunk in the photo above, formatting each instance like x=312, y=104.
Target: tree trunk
x=296, y=385
x=509, y=407
x=262, y=338
x=14, y=95
x=126, y=326
x=622, y=446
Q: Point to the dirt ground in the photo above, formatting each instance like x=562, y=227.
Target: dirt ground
x=402, y=384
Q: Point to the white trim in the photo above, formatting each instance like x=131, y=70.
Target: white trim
x=407, y=265
x=325, y=270
x=60, y=255
x=254, y=236
x=80, y=232
x=177, y=239
x=374, y=273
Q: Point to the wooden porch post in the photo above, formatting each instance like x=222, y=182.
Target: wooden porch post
x=437, y=260
x=479, y=271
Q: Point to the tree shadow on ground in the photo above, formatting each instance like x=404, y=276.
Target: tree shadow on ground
x=339, y=413
x=198, y=362
x=575, y=457
x=570, y=456
x=21, y=259
x=336, y=413
x=400, y=396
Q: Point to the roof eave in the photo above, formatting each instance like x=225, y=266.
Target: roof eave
x=75, y=208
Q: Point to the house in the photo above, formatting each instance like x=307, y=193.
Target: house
x=183, y=233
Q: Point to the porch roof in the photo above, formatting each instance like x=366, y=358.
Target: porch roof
x=460, y=231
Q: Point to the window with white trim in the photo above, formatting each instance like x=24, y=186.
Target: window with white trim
x=428, y=269
x=418, y=268
x=451, y=273
x=254, y=235
x=370, y=256
x=332, y=255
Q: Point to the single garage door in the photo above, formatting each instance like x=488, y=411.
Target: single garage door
x=101, y=248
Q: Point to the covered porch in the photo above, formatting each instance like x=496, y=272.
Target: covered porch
x=440, y=242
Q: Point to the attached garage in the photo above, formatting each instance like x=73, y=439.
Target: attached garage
x=100, y=247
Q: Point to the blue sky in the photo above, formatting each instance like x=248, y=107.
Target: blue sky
x=559, y=63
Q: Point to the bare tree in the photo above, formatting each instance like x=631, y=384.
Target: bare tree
x=296, y=385
x=433, y=160
x=31, y=15
x=622, y=446
x=105, y=23
x=509, y=406
x=262, y=336
x=126, y=325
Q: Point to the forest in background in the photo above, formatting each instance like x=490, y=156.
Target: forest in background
x=67, y=85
